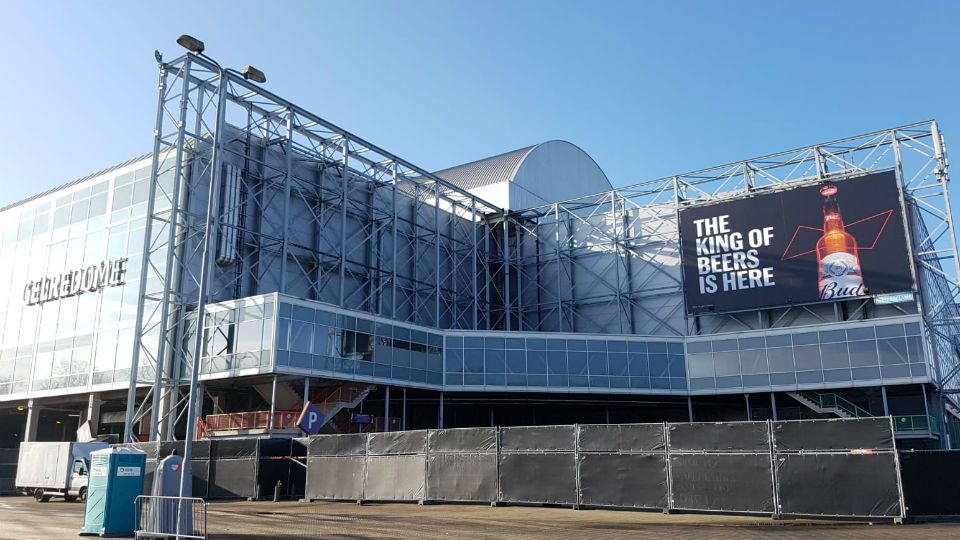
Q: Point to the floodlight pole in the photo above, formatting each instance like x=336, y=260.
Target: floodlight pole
x=209, y=228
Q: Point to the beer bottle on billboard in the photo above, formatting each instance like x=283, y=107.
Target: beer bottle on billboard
x=837, y=259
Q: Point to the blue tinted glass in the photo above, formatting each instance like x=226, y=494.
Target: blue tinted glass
x=639, y=382
x=779, y=379
x=677, y=368
x=637, y=346
x=656, y=347
x=597, y=345
x=918, y=370
x=494, y=361
x=729, y=382
x=515, y=343
x=599, y=381
x=779, y=341
x=454, y=360
x=537, y=380
x=557, y=363
x=675, y=348
x=863, y=353
x=537, y=362
x=578, y=381
x=285, y=310
x=896, y=371
x=836, y=375
x=619, y=382
x=516, y=362
x=454, y=342
x=617, y=346
x=516, y=379
x=577, y=363
x=913, y=329
x=558, y=380
x=618, y=363
x=854, y=334
x=832, y=336
x=537, y=344
x=725, y=345
x=866, y=373
x=659, y=366
x=695, y=347
x=597, y=364
x=576, y=345
x=473, y=360
x=678, y=383
x=890, y=330
x=752, y=343
x=807, y=338
x=473, y=379
x=302, y=313
x=453, y=378
x=807, y=377
x=835, y=355
x=638, y=364
x=660, y=383
x=556, y=345
x=494, y=342
x=495, y=379
x=473, y=342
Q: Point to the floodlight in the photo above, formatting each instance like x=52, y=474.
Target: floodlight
x=254, y=74
x=190, y=43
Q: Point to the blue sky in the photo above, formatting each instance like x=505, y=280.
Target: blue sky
x=648, y=89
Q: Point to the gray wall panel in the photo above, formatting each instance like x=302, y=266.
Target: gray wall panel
x=621, y=438
x=834, y=434
x=630, y=480
x=398, y=442
x=335, y=478
x=396, y=478
x=838, y=484
x=463, y=440
x=537, y=438
x=719, y=437
x=462, y=477
x=538, y=478
x=722, y=482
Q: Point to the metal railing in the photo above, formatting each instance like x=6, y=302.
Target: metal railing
x=914, y=422
x=158, y=517
x=251, y=420
x=831, y=400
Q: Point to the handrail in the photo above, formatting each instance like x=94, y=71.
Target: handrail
x=831, y=400
x=914, y=422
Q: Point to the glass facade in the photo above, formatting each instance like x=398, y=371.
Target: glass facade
x=83, y=341
x=874, y=353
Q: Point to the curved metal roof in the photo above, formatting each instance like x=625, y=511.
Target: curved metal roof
x=483, y=172
x=543, y=173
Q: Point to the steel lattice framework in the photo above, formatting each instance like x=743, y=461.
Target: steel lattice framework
x=251, y=194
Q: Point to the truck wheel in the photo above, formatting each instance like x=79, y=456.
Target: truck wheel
x=82, y=497
x=39, y=496
x=70, y=498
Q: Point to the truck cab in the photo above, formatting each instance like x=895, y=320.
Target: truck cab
x=55, y=469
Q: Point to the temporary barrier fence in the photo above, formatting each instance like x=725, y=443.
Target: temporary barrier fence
x=842, y=467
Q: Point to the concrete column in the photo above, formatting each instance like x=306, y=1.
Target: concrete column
x=33, y=420
x=773, y=404
x=93, y=412
x=749, y=414
x=386, y=411
x=403, y=416
x=886, y=407
x=690, y=408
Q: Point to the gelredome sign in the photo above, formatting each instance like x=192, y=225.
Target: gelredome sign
x=829, y=241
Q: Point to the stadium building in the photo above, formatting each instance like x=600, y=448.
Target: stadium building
x=519, y=289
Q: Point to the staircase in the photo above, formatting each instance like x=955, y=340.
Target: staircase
x=333, y=399
x=829, y=403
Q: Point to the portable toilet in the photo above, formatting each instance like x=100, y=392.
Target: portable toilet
x=116, y=479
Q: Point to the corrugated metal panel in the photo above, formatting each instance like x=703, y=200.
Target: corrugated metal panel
x=491, y=170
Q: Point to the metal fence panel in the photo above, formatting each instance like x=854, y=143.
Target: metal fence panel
x=838, y=484
x=722, y=482
x=931, y=482
x=335, y=478
x=537, y=439
x=462, y=477
x=621, y=438
x=233, y=478
x=396, y=478
x=627, y=480
x=354, y=444
x=463, y=440
x=233, y=448
x=538, y=478
x=834, y=434
x=719, y=437
x=398, y=442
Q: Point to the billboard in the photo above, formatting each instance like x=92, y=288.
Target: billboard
x=829, y=241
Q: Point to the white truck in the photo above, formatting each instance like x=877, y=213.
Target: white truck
x=55, y=469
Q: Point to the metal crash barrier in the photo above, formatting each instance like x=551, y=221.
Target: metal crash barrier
x=156, y=517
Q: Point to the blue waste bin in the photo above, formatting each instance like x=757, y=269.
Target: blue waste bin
x=116, y=479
